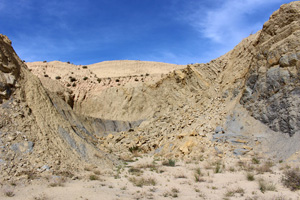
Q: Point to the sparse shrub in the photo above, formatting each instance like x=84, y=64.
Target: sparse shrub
x=93, y=177
x=135, y=171
x=180, y=176
x=84, y=67
x=198, y=178
x=99, y=80
x=250, y=177
x=117, y=80
x=58, y=182
x=173, y=193
x=9, y=193
x=133, y=149
x=136, y=79
x=123, y=188
x=44, y=61
x=291, y=179
x=68, y=84
x=57, y=77
x=218, y=168
x=69, y=62
x=266, y=167
x=264, y=186
x=65, y=173
x=231, y=193
x=41, y=197
x=74, y=85
x=198, y=175
x=85, y=78
x=140, y=182
x=255, y=161
x=46, y=75
x=97, y=172
x=169, y=162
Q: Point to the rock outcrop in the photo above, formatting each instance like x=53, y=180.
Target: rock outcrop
x=272, y=92
x=9, y=68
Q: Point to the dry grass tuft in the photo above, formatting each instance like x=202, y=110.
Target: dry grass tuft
x=266, y=167
x=250, y=176
x=264, y=186
x=9, y=193
x=140, y=182
x=231, y=193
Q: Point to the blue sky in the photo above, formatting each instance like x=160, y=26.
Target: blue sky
x=90, y=31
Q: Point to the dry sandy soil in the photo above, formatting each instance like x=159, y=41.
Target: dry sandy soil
x=152, y=178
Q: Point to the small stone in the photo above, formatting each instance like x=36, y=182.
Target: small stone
x=284, y=61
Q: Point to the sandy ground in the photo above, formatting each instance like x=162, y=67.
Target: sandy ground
x=149, y=178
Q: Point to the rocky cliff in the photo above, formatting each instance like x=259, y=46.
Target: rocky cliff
x=272, y=86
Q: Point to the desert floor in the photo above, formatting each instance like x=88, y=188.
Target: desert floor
x=153, y=178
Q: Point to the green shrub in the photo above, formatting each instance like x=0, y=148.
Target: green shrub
x=133, y=149
x=94, y=177
x=169, y=162
x=255, y=161
x=250, y=177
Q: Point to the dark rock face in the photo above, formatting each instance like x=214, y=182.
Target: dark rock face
x=272, y=87
x=273, y=97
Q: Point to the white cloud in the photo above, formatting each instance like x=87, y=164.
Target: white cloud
x=228, y=21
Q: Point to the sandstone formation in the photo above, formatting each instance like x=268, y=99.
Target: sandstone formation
x=61, y=116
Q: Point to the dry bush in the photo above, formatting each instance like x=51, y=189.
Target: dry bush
x=266, y=167
x=41, y=197
x=93, y=177
x=173, y=193
x=135, y=171
x=291, y=179
x=264, y=186
x=198, y=175
x=58, y=182
x=231, y=193
x=180, y=176
x=140, y=182
x=9, y=193
x=97, y=172
x=169, y=162
x=250, y=176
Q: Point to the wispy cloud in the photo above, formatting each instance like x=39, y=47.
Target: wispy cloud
x=228, y=21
